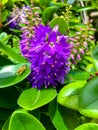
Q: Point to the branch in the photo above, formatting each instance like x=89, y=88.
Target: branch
x=85, y=17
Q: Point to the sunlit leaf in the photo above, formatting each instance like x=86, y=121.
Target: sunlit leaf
x=88, y=99
x=88, y=126
x=68, y=95
x=33, y=98
x=21, y=120
x=61, y=117
x=12, y=74
x=62, y=24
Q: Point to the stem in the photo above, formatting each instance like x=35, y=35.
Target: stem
x=84, y=14
x=0, y=14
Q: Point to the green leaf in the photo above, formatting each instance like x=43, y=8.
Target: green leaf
x=88, y=126
x=62, y=118
x=33, y=98
x=95, y=3
x=78, y=75
x=2, y=35
x=21, y=120
x=48, y=13
x=95, y=53
x=62, y=24
x=68, y=96
x=88, y=99
x=95, y=63
x=8, y=51
x=27, y=2
x=6, y=124
x=12, y=74
x=44, y=3
x=5, y=15
x=6, y=39
x=84, y=8
x=55, y=114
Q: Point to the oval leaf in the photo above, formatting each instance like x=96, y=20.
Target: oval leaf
x=88, y=126
x=55, y=114
x=88, y=99
x=68, y=96
x=23, y=121
x=62, y=24
x=33, y=98
x=61, y=117
x=48, y=13
x=12, y=74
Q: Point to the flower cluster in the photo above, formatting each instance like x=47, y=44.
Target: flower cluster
x=32, y=20
x=23, y=15
x=81, y=42
x=49, y=56
x=14, y=18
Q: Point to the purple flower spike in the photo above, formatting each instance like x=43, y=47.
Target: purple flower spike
x=49, y=56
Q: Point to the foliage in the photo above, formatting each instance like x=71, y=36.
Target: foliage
x=72, y=105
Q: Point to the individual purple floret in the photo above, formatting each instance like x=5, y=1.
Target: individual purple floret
x=49, y=56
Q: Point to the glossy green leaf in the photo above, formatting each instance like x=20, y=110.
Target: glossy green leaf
x=11, y=53
x=21, y=120
x=88, y=126
x=62, y=24
x=68, y=95
x=55, y=115
x=12, y=74
x=88, y=99
x=33, y=98
x=62, y=118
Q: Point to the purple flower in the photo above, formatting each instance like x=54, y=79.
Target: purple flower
x=23, y=16
x=49, y=56
x=14, y=19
